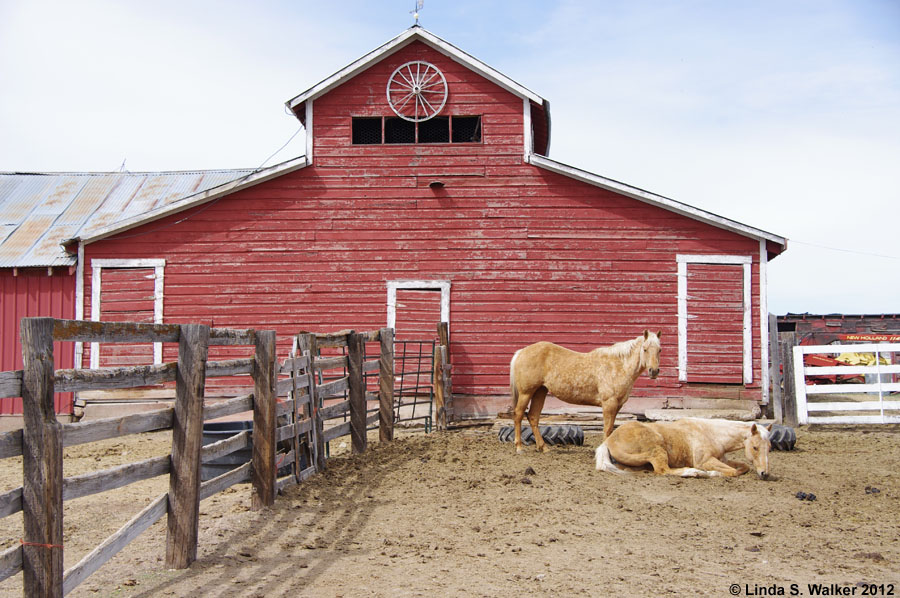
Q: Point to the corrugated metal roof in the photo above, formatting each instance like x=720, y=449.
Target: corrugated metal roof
x=40, y=210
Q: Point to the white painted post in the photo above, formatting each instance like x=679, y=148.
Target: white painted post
x=800, y=386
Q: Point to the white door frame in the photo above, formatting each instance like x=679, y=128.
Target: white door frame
x=418, y=285
x=741, y=260
x=97, y=266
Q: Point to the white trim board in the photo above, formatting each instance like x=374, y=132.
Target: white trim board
x=97, y=266
x=419, y=285
x=79, y=303
x=740, y=260
x=764, y=320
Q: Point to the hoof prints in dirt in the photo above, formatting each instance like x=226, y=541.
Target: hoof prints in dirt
x=552, y=435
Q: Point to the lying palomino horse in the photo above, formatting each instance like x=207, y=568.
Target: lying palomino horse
x=602, y=377
x=690, y=448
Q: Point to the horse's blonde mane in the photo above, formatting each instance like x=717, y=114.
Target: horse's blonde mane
x=763, y=430
x=621, y=349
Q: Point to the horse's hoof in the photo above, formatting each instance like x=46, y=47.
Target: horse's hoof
x=520, y=450
x=545, y=449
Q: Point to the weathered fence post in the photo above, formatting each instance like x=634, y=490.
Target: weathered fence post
x=306, y=341
x=356, y=350
x=437, y=382
x=443, y=358
x=42, y=500
x=263, y=469
x=776, y=404
x=789, y=396
x=187, y=440
x=386, y=385
x=295, y=418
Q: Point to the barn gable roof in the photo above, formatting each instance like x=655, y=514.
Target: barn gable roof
x=538, y=109
x=656, y=200
x=414, y=33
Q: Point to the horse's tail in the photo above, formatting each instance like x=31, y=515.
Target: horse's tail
x=604, y=460
x=513, y=389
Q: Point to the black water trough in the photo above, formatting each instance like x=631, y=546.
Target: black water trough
x=216, y=431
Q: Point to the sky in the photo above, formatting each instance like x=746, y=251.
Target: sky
x=780, y=114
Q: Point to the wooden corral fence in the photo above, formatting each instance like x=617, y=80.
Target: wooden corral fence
x=846, y=406
x=288, y=422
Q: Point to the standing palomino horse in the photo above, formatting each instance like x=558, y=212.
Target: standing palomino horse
x=687, y=447
x=602, y=377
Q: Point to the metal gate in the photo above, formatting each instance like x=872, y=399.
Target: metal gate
x=851, y=403
x=413, y=388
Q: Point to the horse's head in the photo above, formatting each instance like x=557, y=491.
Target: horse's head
x=650, y=353
x=756, y=447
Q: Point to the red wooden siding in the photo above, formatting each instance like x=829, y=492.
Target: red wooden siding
x=715, y=331
x=531, y=255
x=32, y=293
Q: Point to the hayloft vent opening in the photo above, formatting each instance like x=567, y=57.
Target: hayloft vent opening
x=435, y=130
x=368, y=130
x=397, y=130
x=466, y=129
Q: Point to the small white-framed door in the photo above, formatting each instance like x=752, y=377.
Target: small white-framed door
x=126, y=290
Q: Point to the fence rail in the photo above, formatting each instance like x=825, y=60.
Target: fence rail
x=879, y=381
x=288, y=416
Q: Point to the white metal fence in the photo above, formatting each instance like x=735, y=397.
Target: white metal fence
x=853, y=403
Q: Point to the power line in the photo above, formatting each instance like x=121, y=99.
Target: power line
x=215, y=201
x=842, y=250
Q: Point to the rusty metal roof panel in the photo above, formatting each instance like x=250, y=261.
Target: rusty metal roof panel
x=40, y=210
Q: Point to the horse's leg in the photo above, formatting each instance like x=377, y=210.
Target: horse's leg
x=610, y=410
x=518, y=414
x=741, y=468
x=658, y=458
x=715, y=466
x=534, y=417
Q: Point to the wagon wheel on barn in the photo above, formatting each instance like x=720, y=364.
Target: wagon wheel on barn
x=417, y=91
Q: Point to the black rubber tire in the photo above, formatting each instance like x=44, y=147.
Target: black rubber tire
x=782, y=438
x=552, y=435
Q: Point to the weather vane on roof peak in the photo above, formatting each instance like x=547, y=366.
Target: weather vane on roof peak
x=415, y=12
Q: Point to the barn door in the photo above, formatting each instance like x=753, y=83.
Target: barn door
x=415, y=307
x=714, y=322
x=126, y=291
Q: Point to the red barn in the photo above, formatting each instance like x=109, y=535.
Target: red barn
x=427, y=192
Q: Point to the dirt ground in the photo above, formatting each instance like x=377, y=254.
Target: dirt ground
x=456, y=514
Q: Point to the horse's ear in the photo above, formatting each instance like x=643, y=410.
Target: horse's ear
x=770, y=426
x=659, y=334
x=753, y=430
x=646, y=334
